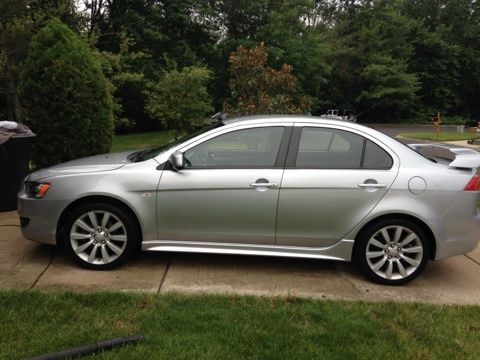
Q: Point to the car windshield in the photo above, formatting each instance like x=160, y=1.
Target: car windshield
x=146, y=154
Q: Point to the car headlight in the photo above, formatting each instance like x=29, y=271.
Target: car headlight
x=36, y=190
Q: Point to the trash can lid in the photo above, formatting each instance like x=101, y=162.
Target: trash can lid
x=23, y=135
x=11, y=129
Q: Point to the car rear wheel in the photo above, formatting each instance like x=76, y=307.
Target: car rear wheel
x=393, y=251
x=100, y=236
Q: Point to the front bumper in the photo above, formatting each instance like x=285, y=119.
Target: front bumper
x=39, y=218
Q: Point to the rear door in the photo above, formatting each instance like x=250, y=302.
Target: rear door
x=333, y=178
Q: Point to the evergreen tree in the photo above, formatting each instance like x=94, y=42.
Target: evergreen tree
x=67, y=99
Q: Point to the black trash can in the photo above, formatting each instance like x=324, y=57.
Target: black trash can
x=14, y=159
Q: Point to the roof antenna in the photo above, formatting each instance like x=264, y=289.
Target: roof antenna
x=220, y=116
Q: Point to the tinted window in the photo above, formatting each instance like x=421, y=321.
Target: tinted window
x=329, y=149
x=376, y=157
x=257, y=147
x=325, y=148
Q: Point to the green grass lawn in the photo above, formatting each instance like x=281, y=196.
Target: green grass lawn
x=441, y=137
x=140, y=140
x=218, y=327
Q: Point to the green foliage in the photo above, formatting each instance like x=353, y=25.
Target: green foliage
x=128, y=77
x=448, y=56
x=235, y=327
x=67, y=100
x=180, y=100
x=371, y=58
x=19, y=21
x=259, y=89
x=292, y=41
x=394, y=59
x=386, y=81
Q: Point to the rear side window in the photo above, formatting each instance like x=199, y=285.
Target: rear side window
x=329, y=149
x=375, y=157
x=324, y=148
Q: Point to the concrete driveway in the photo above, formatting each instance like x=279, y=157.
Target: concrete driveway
x=27, y=265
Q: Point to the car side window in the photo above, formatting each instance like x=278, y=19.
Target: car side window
x=254, y=148
x=375, y=157
x=325, y=148
x=329, y=149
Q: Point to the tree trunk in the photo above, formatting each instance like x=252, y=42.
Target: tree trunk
x=13, y=104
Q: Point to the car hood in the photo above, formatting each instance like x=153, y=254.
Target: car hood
x=104, y=162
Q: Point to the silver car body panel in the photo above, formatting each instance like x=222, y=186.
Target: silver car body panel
x=215, y=210
x=134, y=184
x=317, y=207
x=97, y=163
x=341, y=250
x=236, y=211
x=218, y=205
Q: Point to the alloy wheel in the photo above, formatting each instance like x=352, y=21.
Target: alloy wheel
x=98, y=237
x=394, y=252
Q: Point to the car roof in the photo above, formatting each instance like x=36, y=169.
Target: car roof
x=265, y=119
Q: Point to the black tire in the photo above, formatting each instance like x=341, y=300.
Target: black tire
x=395, y=254
x=104, y=241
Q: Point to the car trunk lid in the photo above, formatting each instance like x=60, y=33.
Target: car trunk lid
x=452, y=156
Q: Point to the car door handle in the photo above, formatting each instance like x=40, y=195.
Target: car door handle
x=267, y=184
x=372, y=186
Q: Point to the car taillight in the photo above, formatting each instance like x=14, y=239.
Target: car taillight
x=473, y=184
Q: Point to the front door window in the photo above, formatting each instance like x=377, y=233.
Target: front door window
x=249, y=148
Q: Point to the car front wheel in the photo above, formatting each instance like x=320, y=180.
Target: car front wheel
x=393, y=251
x=100, y=236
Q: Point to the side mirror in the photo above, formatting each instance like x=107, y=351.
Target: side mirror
x=177, y=161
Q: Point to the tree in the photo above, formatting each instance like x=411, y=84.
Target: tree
x=67, y=99
x=372, y=50
x=180, y=99
x=447, y=54
x=155, y=30
x=259, y=89
x=19, y=21
x=292, y=41
x=436, y=64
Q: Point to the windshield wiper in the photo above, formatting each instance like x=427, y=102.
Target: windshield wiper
x=137, y=155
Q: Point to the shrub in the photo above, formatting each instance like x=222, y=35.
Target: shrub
x=180, y=99
x=66, y=97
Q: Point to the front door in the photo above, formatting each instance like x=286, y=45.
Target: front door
x=228, y=191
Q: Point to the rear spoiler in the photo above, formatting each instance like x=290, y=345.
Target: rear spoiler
x=463, y=158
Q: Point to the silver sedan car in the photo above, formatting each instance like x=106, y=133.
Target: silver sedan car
x=289, y=186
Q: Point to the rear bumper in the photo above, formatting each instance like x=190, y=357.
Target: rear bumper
x=458, y=231
x=39, y=218
x=458, y=238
